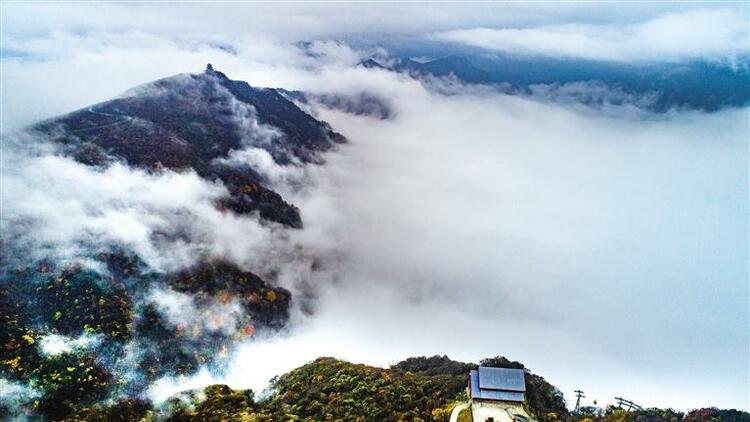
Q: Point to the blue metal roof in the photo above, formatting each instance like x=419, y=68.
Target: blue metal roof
x=479, y=392
x=501, y=379
x=474, y=383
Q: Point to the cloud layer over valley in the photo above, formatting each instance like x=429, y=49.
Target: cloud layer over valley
x=583, y=242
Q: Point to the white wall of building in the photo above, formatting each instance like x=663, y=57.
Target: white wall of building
x=498, y=410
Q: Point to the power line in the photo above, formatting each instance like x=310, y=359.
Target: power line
x=630, y=405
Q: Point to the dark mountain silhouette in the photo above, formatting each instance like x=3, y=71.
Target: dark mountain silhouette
x=372, y=64
x=193, y=121
x=458, y=66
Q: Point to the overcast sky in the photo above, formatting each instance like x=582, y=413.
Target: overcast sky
x=604, y=247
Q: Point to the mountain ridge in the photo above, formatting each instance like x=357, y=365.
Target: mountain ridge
x=193, y=121
x=699, y=85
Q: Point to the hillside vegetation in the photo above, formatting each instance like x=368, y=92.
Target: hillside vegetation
x=327, y=389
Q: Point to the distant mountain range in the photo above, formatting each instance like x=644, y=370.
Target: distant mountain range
x=700, y=85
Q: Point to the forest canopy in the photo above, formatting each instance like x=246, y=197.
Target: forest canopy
x=416, y=389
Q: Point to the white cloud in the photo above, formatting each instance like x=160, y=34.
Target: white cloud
x=313, y=21
x=169, y=219
x=55, y=344
x=182, y=311
x=63, y=205
x=17, y=399
x=715, y=34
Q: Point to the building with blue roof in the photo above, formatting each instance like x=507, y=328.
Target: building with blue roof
x=500, y=384
x=497, y=395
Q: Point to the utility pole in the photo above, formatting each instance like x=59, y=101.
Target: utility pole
x=579, y=395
